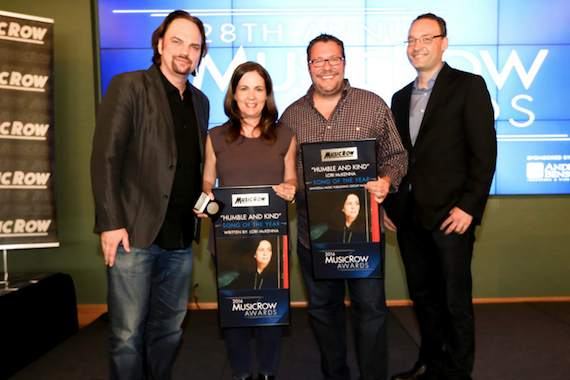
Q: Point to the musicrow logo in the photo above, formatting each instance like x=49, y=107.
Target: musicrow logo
x=22, y=33
x=22, y=227
x=339, y=154
x=22, y=180
x=15, y=80
x=250, y=200
x=23, y=131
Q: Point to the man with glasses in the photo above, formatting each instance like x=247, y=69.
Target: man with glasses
x=445, y=119
x=332, y=110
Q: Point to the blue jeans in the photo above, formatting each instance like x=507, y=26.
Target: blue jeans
x=148, y=292
x=327, y=316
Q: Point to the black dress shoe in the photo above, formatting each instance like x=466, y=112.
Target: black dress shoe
x=419, y=372
x=265, y=377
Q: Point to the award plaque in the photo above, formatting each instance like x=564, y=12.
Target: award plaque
x=344, y=220
x=252, y=257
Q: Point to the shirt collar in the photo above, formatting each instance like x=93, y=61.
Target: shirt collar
x=431, y=82
x=169, y=87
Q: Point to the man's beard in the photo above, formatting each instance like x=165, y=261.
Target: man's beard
x=178, y=70
x=327, y=92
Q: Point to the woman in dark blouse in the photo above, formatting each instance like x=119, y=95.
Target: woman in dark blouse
x=251, y=149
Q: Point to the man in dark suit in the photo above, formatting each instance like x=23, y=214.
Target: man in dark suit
x=146, y=164
x=445, y=119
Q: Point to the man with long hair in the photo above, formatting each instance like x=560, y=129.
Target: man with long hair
x=146, y=175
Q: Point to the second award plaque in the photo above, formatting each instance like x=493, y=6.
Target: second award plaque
x=343, y=216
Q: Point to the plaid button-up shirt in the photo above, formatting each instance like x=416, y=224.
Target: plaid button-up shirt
x=359, y=114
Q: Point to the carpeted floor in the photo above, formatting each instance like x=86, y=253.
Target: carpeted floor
x=519, y=341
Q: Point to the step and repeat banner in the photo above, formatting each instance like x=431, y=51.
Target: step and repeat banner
x=520, y=47
x=27, y=196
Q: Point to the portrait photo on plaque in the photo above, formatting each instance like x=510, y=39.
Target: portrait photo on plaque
x=340, y=216
x=250, y=263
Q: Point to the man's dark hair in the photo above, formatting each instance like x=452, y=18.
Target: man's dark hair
x=324, y=38
x=440, y=21
x=161, y=31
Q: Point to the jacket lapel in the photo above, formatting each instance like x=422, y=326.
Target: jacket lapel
x=198, y=107
x=162, y=99
x=164, y=106
x=404, y=126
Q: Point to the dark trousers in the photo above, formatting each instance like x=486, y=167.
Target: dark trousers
x=327, y=315
x=438, y=271
x=238, y=345
x=267, y=343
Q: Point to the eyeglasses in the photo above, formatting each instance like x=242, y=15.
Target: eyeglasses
x=424, y=40
x=333, y=61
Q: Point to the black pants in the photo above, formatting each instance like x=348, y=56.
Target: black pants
x=438, y=271
x=327, y=316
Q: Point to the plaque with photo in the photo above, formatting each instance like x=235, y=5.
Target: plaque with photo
x=343, y=216
x=252, y=252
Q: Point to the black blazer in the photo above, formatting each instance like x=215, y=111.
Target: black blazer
x=134, y=155
x=453, y=160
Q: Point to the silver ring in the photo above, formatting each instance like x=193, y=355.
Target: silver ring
x=288, y=196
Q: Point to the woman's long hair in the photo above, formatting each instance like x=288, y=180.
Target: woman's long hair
x=268, y=115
